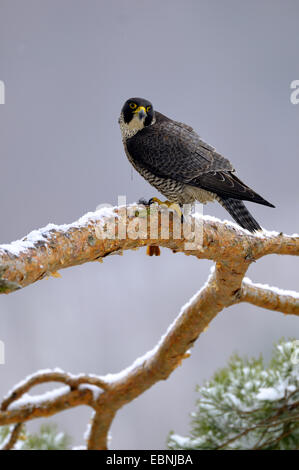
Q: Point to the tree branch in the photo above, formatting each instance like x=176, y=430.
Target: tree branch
x=45, y=251
x=48, y=250
x=271, y=298
x=12, y=438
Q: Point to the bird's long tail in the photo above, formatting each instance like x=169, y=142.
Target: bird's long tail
x=240, y=213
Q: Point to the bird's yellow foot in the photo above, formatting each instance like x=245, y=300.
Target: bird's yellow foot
x=169, y=204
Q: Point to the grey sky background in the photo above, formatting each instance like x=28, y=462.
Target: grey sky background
x=224, y=67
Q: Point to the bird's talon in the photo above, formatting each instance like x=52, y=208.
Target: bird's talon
x=153, y=200
x=143, y=202
x=169, y=204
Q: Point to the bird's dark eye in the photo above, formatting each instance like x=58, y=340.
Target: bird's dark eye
x=133, y=105
x=148, y=108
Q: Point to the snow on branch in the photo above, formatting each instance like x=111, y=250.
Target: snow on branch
x=12, y=437
x=111, y=231
x=99, y=234
x=272, y=298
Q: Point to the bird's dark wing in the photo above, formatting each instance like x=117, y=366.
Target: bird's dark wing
x=173, y=150
x=227, y=185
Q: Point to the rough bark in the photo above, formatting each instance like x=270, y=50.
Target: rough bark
x=44, y=252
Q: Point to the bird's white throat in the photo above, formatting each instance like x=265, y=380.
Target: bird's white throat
x=131, y=128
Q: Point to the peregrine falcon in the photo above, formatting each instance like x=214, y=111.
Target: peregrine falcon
x=180, y=165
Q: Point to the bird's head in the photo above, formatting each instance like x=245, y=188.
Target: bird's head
x=136, y=114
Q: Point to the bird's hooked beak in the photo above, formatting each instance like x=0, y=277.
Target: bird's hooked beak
x=141, y=111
